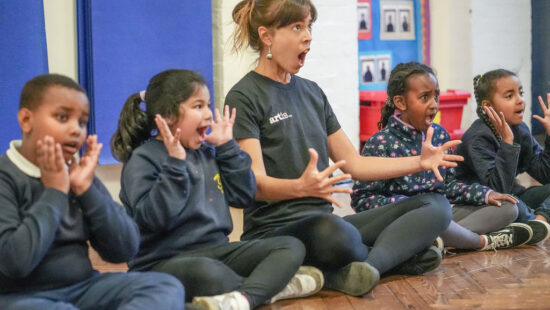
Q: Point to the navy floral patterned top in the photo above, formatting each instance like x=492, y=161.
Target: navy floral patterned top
x=399, y=139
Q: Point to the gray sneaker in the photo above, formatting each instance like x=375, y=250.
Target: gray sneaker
x=356, y=278
x=541, y=231
x=421, y=263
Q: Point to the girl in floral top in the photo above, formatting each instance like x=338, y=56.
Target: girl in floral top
x=479, y=212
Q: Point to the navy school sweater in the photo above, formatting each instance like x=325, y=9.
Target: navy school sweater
x=181, y=205
x=44, y=232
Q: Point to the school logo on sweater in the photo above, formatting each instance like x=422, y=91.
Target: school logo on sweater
x=279, y=117
x=218, y=179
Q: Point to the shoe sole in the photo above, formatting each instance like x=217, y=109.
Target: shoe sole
x=204, y=303
x=316, y=274
x=543, y=223
x=359, y=280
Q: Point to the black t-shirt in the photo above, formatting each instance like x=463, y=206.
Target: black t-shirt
x=287, y=119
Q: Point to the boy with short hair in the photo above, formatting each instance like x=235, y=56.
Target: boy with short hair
x=49, y=211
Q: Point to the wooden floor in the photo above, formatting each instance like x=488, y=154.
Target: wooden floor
x=506, y=279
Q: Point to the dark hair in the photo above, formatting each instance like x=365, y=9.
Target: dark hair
x=165, y=92
x=33, y=91
x=251, y=14
x=398, y=86
x=484, y=89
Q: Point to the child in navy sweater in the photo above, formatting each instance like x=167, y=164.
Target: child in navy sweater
x=499, y=146
x=49, y=212
x=178, y=189
x=478, y=211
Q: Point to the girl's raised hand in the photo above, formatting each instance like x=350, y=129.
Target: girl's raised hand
x=500, y=124
x=172, y=142
x=546, y=112
x=53, y=171
x=320, y=184
x=221, y=129
x=81, y=174
x=434, y=156
x=495, y=198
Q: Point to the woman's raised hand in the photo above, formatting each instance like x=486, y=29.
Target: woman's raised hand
x=434, y=156
x=315, y=183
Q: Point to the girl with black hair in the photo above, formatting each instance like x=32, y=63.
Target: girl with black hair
x=479, y=214
x=499, y=146
x=177, y=182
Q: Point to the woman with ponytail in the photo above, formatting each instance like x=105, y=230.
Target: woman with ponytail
x=177, y=182
x=499, y=146
x=287, y=126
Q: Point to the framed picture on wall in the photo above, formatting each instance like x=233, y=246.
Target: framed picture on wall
x=368, y=71
x=374, y=69
x=383, y=67
x=397, y=20
x=364, y=19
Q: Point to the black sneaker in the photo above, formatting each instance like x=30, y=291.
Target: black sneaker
x=421, y=263
x=356, y=278
x=510, y=236
x=541, y=231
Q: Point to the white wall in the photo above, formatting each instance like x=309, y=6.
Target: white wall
x=60, y=20
x=332, y=62
x=502, y=39
x=471, y=37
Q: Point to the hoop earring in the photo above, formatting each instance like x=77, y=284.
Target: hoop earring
x=269, y=56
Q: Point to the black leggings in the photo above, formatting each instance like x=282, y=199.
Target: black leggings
x=394, y=233
x=257, y=268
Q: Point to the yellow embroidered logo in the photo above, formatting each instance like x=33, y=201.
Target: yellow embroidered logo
x=218, y=179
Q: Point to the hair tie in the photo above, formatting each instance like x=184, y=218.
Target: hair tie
x=142, y=95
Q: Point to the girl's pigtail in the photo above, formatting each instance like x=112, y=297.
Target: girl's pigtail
x=478, y=85
x=134, y=128
x=387, y=111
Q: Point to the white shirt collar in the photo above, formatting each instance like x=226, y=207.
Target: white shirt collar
x=20, y=161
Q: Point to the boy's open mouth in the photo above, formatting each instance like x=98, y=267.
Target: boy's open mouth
x=202, y=132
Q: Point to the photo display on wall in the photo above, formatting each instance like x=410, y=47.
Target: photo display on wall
x=374, y=68
x=364, y=18
x=397, y=20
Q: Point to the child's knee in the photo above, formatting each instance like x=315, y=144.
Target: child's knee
x=440, y=208
x=508, y=211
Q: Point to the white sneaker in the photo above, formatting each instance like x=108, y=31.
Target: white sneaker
x=228, y=301
x=306, y=282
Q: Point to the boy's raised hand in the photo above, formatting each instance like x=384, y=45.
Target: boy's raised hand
x=434, y=156
x=500, y=124
x=53, y=171
x=495, y=198
x=546, y=112
x=81, y=174
x=315, y=183
x=222, y=128
x=172, y=142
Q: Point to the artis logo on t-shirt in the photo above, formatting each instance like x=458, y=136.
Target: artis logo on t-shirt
x=279, y=117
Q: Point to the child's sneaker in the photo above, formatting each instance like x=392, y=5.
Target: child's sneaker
x=510, y=236
x=421, y=263
x=228, y=301
x=541, y=231
x=438, y=243
x=306, y=282
x=356, y=278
